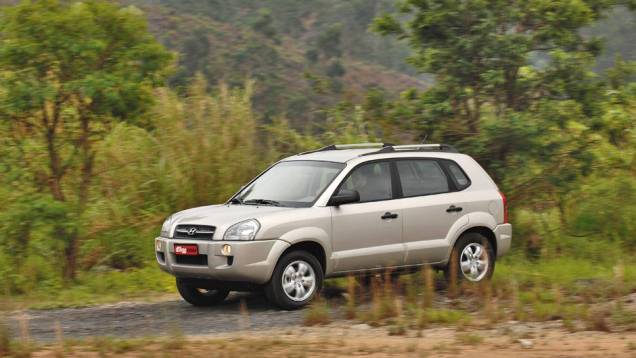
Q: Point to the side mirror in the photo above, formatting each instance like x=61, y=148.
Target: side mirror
x=344, y=197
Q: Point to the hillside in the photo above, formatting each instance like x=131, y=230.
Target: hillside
x=306, y=56
x=302, y=59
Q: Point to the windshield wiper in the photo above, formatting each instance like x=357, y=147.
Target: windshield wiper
x=262, y=202
x=236, y=201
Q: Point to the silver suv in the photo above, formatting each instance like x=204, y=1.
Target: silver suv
x=335, y=211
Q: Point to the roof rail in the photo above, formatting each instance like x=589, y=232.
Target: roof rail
x=415, y=148
x=349, y=146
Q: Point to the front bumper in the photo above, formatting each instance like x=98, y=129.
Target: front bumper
x=249, y=261
x=503, y=233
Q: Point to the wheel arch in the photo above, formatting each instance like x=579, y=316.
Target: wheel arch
x=312, y=239
x=313, y=247
x=484, y=231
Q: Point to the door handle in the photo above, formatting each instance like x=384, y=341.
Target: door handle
x=454, y=209
x=389, y=215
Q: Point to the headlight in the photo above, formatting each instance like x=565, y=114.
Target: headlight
x=245, y=230
x=165, y=228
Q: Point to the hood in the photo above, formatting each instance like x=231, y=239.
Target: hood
x=223, y=216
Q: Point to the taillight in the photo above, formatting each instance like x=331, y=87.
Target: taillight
x=505, y=207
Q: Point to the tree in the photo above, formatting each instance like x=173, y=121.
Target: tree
x=335, y=69
x=265, y=23
x=329, y=42
x=69, y=72
x=486, y=52
x=194, y=58
x=510, y=76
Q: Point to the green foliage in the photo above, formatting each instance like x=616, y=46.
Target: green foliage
x=264, y=23
x=336, y=69
x=69, y=72
x=329, y=41
x=97, y=287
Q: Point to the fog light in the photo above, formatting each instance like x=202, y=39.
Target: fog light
x=158, y=246
x=226, y=250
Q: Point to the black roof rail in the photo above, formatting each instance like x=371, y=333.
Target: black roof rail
x=447, y=148
x=349, y=146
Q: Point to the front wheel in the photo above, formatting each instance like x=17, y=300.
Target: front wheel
x=201, y=296
x=296, y=280
x=472, y=259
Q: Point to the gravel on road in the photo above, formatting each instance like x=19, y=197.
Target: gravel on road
x=133, y=319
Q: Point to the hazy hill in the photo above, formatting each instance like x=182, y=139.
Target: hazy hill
x=304, y=55
x=308, y=55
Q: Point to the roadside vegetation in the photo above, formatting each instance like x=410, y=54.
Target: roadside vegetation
x=552, y=292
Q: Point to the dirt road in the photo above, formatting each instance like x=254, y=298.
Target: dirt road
x=342, y=339
x=261, y=329
x=150, y=319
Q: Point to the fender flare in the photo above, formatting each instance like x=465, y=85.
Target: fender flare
x=467, y=222
x=313, y=235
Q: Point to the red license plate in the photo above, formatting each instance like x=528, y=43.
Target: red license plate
x=186, y=250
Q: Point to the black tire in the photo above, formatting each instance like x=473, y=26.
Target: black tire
x=453, y=271
x=201, y=297
x=274, y=288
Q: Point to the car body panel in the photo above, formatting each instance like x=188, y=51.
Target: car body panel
x=362, y=240
x=253, y=261
x=222, y=216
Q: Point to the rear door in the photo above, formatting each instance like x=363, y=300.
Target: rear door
x=431, y=206
x=368, y=234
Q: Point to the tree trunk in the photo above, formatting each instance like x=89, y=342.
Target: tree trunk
x=55, y=164
x=511, y=87
x=70, y=255
x=88, y=157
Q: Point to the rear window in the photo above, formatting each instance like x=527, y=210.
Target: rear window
x=421, y=177
x=458, y=174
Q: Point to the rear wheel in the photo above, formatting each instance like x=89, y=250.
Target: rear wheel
x=472, y=259
x=201, y=296
x=296, y=280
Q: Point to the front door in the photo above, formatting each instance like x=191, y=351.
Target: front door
x=368, y=234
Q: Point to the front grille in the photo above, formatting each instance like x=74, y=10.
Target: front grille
x=192, y=260
x=194, y=232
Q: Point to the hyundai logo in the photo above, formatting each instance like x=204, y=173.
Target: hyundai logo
x=192, y=231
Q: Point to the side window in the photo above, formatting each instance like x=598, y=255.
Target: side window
x=372, y=181
x=460, y=178
x=421, y=177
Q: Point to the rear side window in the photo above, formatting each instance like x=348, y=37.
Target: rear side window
x=458, y=174
x=422, y=177
x=372, y=181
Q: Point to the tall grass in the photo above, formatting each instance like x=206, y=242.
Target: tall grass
x=580, y=296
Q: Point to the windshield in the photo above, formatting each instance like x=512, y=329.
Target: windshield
x=292, y=183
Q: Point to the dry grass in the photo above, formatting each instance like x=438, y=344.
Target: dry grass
x=351, y=305
x=318, y=313
x=338, y=341
x=412, y=302
x=469, y=339
x=597, y=320
x=5, y=340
